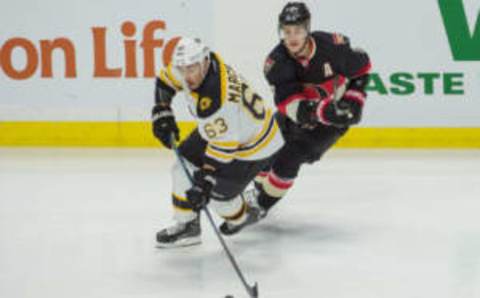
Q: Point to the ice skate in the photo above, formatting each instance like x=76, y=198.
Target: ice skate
x=251, y=198
x=180, y=234
x=230, y=228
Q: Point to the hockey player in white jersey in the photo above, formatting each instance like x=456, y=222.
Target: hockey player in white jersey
x=235, y=138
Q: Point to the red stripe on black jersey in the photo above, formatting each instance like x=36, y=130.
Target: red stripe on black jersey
x=282, y=107
x=363, y=71
x=330, y=85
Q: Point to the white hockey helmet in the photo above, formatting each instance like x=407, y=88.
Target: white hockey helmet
x=189, y=51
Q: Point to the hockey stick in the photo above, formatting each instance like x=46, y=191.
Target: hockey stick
x=339, y=111
x=251, y=290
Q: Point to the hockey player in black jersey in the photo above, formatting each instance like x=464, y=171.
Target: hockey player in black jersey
x=319, y=87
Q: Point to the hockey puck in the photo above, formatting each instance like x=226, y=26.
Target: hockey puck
x=229, y=296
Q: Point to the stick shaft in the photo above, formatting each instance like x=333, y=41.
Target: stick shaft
x=252, y=291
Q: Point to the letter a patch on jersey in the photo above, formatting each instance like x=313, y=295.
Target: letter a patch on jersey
x=327, y=69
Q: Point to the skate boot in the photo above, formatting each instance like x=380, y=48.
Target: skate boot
x=229, y=228
x=180, y=234
x=251, y=198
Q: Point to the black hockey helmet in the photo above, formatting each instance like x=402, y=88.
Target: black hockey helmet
x=294, y=13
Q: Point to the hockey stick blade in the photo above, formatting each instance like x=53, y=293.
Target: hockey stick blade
x=254, y=291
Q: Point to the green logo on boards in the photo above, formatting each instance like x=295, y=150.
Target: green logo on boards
x=422, y=83
x=465, y=46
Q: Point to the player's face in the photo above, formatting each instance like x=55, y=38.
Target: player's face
x=294, y=37
x=193, y=74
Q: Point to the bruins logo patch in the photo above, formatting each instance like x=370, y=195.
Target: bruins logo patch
x=205, y=103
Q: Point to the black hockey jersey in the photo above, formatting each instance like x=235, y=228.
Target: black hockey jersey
x=331, y=57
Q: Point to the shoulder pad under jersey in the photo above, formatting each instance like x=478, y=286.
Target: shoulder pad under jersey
x=328, y=38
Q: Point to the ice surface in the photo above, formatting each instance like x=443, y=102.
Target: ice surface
x=389, y=224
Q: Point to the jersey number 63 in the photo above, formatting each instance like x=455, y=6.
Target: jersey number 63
x=216, y=128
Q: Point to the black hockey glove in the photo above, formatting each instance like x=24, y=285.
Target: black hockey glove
x=199, y=194
x=347, y=111
x=336, y=114
x=306, y=113
x=310, y=113
x=164, y=125
x=351, y=108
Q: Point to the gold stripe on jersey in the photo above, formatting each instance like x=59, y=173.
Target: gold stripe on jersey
x=164, y=78
x=195, y=96
x=218, y=155
x=226, y=144
x=266, y=125
x=172, y=78
x=261, y=141
x=262, y=145
x=223, y=79
x=225, y=153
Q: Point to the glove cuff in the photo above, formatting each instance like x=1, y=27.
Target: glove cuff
x=321, y=111
x=162, y=114
x=356, y=96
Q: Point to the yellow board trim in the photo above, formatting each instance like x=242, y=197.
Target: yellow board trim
x=414, y=137
x=139, y=134
x=82, y=134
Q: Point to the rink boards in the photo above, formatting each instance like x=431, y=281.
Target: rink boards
x=89, y=82
x=138, y=134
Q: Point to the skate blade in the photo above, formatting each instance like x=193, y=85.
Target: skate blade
x=181, y=243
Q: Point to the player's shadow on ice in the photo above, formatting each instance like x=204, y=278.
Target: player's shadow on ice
x=264, y=247
x=268, y=245
x=296, y=232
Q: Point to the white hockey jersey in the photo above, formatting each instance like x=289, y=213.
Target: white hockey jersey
x=231, y=117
